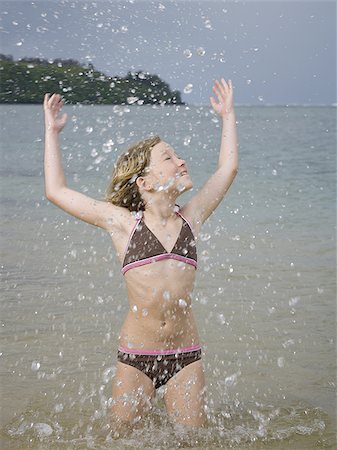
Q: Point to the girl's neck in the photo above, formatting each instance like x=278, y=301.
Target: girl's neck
x=160, y=212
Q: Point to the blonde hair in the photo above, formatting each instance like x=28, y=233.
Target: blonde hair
x=134, y=162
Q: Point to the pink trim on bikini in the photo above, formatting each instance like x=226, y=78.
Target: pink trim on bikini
x=159, y=352
x=158, y=258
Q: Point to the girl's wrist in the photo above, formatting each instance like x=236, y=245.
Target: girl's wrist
x=51, y=131
x=229, y=115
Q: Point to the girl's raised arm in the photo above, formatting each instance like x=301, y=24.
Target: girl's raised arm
x=100, y=213
x=205, y=201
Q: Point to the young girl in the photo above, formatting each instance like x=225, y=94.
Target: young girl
x=155, y=240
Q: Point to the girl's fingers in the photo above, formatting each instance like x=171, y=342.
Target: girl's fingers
x=212, y=101
x=51, y=100
x=219, y=91
x=216, y=91
x=224, y=83
x=46, y=98
x=54, y=99
x=222, y=88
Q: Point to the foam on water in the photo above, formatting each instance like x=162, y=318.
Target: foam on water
x=232, y=425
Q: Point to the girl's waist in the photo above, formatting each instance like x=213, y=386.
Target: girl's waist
x=158, y=351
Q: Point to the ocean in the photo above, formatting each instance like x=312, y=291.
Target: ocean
x=264, y=298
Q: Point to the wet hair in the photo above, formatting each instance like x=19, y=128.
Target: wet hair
x=133, y=163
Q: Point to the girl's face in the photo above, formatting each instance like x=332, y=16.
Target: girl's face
x=168, y=171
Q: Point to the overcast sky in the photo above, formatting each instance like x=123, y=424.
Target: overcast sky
x=275, y=52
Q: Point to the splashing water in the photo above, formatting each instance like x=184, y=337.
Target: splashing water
x=188, y=88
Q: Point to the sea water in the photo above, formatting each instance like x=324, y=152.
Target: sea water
x=264, y=297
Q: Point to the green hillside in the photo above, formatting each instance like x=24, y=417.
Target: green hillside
x=28, y=79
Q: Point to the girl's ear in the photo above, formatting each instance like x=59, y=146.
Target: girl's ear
x=143, y=184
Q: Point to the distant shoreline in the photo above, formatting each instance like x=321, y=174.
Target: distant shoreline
x=26, y=81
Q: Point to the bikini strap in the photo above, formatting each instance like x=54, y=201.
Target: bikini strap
x=184, y=218
x=139, y=215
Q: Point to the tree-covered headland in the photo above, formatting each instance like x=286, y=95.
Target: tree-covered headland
x=28, y=79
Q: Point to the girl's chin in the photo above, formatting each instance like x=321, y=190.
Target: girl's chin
x=185, y=186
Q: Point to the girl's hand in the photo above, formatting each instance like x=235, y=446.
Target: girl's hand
x=224, y=92
x=52, y=107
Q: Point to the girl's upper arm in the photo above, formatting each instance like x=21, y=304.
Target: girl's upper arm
x=96, y=212
x=204, y=202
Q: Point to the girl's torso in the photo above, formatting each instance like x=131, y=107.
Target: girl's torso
x=159, y=293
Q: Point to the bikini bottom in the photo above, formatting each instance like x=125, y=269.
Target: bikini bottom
x=159, y=366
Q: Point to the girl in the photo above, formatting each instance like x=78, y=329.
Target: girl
x=155, y=240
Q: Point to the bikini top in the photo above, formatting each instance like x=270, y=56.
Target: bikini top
x=143, y=246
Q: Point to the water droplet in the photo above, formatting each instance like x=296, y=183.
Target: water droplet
x=288, y=343
x=124, y=29
x=187, y=140
x=180, y=187
x=280, y=361
x=132, y=100
x=248, y=81
x=99, y=160
x=134, y=308
x=200, y=51
x=188, y=88
x=107, y=146
x=43, y=429
x=59, y=408
x=89, y=130
x=133, y=178
x=293, y=301
x=35, y=366
x=41, y=29
x=260, y=98
x=19, y=43
x=205, y=237
x=231, y=380
x=108, y=374
x=145, y=312
x=221, y=319
x=168, y=184
x=187, y=53
x=182, y=303
x=166, y=295
x=274, y=172
x=208, y=24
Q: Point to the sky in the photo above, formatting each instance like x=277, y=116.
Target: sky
x=275, y=52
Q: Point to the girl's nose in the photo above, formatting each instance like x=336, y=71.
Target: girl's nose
x=181, y=160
